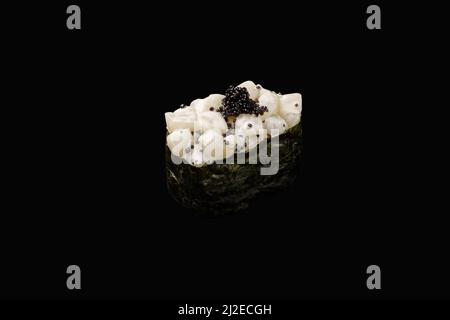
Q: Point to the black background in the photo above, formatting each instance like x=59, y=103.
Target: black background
x=87, y=142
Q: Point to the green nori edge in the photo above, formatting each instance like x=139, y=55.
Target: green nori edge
x=219, y=189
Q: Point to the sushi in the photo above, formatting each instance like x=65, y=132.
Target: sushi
x=225, y=150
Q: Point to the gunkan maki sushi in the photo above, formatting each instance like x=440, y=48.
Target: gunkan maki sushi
x=224, y=150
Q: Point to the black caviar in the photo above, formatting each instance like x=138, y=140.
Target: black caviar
x=237, y=101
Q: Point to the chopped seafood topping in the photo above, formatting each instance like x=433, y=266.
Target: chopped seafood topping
x=219, y=126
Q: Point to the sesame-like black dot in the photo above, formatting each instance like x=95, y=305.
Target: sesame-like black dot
x=211, y=109
x=296, y=104
x=249, y=125
x=284, y=125
x=224, y=135
x=264, y=121
x=257, y=135
x=192, y=146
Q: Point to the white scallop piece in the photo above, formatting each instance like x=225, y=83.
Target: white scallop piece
x=214, y=101
x=253, y=142
x=210, y=137
x=275, y=125
x=245, y=143
x=179, y=140
x=240, y=142
x=229, y=145
x=210, y=120
x=292, y=119
x=251, y=88
x=180, y=120
x=290, y=108
x=196, y=158
x=248, y=124
x=212, y=144
x=270, y=100
x=194, y=103
x=210, y=103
